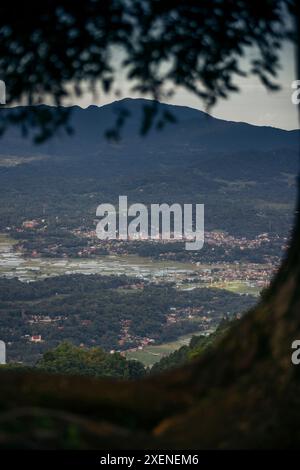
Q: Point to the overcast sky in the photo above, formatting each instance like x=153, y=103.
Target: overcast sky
x=253, y=104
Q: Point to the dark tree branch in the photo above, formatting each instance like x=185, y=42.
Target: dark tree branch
x=48, y=49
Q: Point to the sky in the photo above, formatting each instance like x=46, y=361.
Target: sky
x=253, y=104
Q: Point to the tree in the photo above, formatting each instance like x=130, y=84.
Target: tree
x=246, y=392
x=69, y=359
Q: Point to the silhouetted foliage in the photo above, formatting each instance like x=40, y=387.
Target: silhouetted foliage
x=50, y=49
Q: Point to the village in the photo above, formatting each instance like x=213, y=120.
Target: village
x=244, y=278
x=86, y=239
x=212, y=272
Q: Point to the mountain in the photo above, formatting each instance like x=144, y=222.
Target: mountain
x=244, y=174
x=194, y=132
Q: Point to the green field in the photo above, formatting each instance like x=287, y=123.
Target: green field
x=152, y=354
x=238, y=287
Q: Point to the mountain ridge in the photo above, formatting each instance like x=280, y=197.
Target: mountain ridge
x=194, y=128
x=148, y=101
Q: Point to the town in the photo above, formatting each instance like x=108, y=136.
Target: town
x=225, y=258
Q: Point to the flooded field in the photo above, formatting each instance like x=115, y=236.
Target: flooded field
x=13, y=264
x=184, y=275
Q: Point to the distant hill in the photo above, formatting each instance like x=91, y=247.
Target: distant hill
x=244, y=174
x=194, y=132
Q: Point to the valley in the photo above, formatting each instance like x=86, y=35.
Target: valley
x=142, y=298
x=46, y=320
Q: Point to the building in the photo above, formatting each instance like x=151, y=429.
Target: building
x=36, y=339
x=30, y=224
